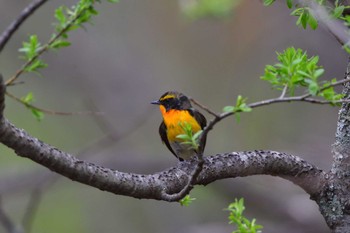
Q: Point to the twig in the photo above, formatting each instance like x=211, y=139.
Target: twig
x=51, y=112
x=16, y=83
x=301, y=98
x=44, y=48
x=189, y=185
x=203, y=107
x=12, y=28
x=284, y=91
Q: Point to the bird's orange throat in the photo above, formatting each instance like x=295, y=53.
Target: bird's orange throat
x=173, y=119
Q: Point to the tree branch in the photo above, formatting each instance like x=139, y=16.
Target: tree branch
x=49, y=111
x=341, y=147
x=281, y=99
x=334, y=27
x=170, y=181
x=12, y=28
x=45, y=47
x=190, y=183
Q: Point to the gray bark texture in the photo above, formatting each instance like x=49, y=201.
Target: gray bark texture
x=334, y=198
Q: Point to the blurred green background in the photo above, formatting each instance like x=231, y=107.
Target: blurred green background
x=133, y=53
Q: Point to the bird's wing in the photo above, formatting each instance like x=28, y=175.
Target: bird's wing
x=202, y=122
x=163, y=136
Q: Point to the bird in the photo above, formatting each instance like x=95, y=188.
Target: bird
x=177, y=111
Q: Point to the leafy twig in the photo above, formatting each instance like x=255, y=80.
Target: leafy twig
x=301, y=98
x=12, y=28
x=237, y=218
x=45, y=47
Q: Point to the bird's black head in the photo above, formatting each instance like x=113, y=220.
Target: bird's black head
x=173, y=100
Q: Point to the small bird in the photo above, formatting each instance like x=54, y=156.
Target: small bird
x=177, y=111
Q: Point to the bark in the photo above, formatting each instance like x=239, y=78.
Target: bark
x=334, y=199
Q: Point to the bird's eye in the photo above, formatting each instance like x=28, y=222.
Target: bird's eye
x=168, y=100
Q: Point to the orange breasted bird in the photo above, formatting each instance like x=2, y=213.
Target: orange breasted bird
x=177, y=111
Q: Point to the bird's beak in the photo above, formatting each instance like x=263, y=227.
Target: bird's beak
x=155, y=102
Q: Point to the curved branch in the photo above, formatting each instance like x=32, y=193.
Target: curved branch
x=221, y=166
x=170, y=181
x=12, y=28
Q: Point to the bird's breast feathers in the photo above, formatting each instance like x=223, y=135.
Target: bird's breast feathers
x=174, y=121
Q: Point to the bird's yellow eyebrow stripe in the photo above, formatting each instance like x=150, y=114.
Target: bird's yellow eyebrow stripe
x=167, y=97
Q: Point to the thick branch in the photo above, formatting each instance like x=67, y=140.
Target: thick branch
x=334, y=199
x=221, y=166
x=341, y=147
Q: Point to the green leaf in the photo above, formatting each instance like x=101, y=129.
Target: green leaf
x=187, y=200
x=313, y=88
x=329, y=93
x=346, y=47
x=312, y=22
x=60, y=44
x=36, y=65
x=303, y=19
x=318, y=72
x=60, y=16
x=31, y=47
x=183, y=137
x=238, y=117
x=298, y=11
x=228, y=109
x=28, y=98
x=338, y=11
x=245, y=108
x=197, y=135
x=239, y=100
x=39, y=115
x=294, y=70
x=303, y=73
x=268, y=2
x=290, y=4
x=209, y=8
